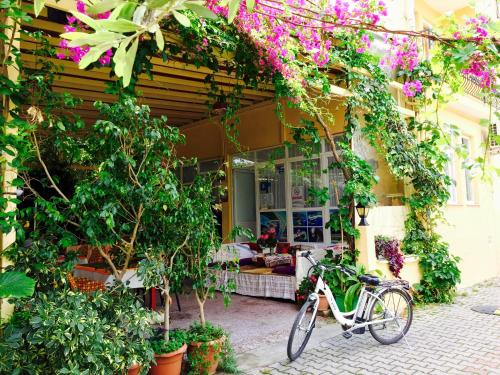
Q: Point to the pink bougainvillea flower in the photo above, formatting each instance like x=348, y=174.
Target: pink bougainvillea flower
x=412, y=88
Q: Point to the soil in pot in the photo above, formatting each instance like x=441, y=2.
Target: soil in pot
x=169, y=363
x=323, y=303
x=204, y=356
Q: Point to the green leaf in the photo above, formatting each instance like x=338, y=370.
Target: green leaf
x=92, y=55
x=73, y=35
x=16, y=285
x=96, y=38
x=181, y=18
x=250, y=5
x=38, y=6
x=160, y=42
x=234, y=5
x=129, y=62
x=103, y=6
x=153, y=4
x=86, y=20
x=119, y=26
x=124, y=11
x=119, y=57
x=201, y=10
x=350, y=295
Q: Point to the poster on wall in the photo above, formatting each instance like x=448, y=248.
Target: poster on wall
x=299, y=219
x=300, y=234
x=307, y=226
x=298, y=196
x=266, y=195
x=314, y=219
x=276, y=219
x=315, y=234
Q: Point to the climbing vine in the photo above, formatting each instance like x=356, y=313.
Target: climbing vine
x=418, y=160
x=296, y=61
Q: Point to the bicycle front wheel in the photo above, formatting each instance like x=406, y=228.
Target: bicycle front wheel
x=301, y=330
x=391, y=316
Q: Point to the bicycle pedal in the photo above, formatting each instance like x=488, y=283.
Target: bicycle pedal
x=347, y=335
x=359, y=331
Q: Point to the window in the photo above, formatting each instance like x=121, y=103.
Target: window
x=494, y=135
x=306, y=176
x=336, y=183
x=271, y=185
x=450, y=172
x=189, y=172
x=469, y=196
x=283, y=197
x=208, y=166
x=427, y=44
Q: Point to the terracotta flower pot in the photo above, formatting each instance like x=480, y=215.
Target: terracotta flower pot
x=134, y=370
x=169, y=363
x=323, y=303
x=206, y=355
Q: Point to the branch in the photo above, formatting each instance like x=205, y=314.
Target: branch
x=44, y=166
x=110, y=262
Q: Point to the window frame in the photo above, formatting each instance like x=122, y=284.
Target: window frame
x=466, y=176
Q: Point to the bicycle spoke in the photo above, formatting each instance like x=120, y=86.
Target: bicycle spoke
x=392, y=310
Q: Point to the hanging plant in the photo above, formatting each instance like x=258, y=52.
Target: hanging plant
x=390, y=249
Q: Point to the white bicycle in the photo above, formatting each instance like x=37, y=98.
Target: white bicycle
x=385, y=307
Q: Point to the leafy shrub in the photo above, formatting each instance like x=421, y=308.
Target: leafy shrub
x=74, y=333
x=39, y=260
x=227, y=362
x=205, y=333
x=177, y=338
x=390, y=249
x=440, y=274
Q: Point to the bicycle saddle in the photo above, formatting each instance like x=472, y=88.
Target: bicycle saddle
x=369, y=279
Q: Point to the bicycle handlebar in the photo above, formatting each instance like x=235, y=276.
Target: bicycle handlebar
x=347, y=271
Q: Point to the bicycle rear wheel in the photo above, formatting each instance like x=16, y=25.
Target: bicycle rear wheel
x=301, y=330
x=395, y=312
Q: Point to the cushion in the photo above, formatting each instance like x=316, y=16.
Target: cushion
x=284, y=270
x=283, y=248
x=254, y=246
x=246, y=261
x=278, y=260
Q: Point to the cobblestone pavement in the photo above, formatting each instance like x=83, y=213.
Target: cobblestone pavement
x=443, y=339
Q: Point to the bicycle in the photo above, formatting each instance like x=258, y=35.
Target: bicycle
x=377, y=308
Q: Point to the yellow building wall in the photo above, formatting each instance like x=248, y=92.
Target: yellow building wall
x=473, y=229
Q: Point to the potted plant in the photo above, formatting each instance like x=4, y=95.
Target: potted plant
x=205, y=339
x=168, y=353
x=205, y=347
x=165, y=267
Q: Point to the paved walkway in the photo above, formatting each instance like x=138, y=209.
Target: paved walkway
x=443, y=339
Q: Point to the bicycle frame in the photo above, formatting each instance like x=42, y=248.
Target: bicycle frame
x=366, y=298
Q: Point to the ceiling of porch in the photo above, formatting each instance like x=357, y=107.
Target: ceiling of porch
x=177, y=90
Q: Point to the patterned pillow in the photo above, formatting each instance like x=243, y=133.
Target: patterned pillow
x=278, y=260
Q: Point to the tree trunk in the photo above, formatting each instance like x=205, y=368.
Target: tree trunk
x=201, y=305
x=166, y=315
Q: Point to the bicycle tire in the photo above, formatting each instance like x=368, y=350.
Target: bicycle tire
x=302, y=312
x=403, y=296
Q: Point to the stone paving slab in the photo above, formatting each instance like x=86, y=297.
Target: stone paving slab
x=443, y=339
